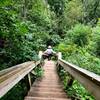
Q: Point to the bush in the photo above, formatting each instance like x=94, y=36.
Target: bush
x=96, y=41
x=80, y=35
x=67, y=49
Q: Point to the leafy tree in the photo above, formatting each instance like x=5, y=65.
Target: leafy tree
x=91, y=11
x=57, y=6
x=95, y=43
x=80, y=35
x=73, y=13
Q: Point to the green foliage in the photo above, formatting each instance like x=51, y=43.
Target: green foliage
x=40, y=14
x=24, y=30
x=22, y=37
x=66, y=49
x=91, y=11
x=38, y=71
x=73, y=13
x=17, y=92
x=96, y=40
x=76, y=91
x=55, y=39
x=85, y=60
x=79, y=92
x=57, y=6
x=63, y=75
x=79, y=35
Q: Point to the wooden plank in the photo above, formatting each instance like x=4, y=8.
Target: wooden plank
x=2, y=72
x=90, y=80
x=12, y=80
x=12, y=71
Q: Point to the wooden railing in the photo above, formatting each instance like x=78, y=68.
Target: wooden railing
x=90, y=80
x=11, y=76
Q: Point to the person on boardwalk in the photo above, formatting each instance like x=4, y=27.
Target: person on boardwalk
x=48, y=53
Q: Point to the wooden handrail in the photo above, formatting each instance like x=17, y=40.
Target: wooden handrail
x=12, y=68
x=90, y=80
x=11, y=76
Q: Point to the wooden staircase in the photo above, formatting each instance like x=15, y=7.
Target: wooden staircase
x=49, y=87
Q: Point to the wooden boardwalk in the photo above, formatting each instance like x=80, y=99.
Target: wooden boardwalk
x=49, y=87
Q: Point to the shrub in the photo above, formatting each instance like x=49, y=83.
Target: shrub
x=96, y=41
x=79, y=35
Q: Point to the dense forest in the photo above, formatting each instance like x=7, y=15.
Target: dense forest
x=70, y=26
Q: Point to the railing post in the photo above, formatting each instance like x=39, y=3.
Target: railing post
x=59, y=55
x=40, y=55
x=29, y=80
x=41, y=58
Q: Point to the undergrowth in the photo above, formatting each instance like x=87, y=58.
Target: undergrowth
x=76, y=91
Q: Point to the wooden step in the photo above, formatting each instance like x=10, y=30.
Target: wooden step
x=43, y=98
x=45, y=85
x=46, y=89
x=48, y=83
x=47, y=94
